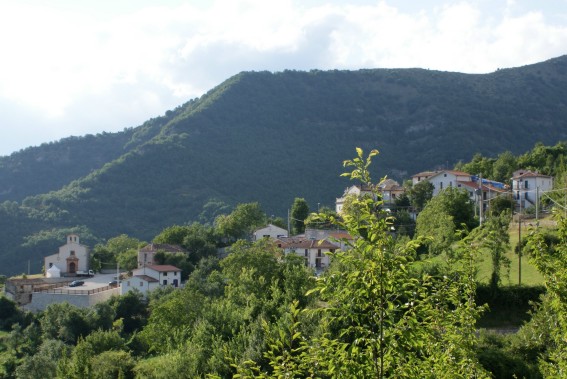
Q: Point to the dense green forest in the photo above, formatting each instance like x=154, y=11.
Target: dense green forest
x=382, y=310
x=268, y=137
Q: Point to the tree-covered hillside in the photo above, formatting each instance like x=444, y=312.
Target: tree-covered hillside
x=270, y=137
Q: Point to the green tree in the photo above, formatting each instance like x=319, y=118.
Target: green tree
x=494, y=238
x=44, y=363
x=501, y=203
x=420, y=194
x=551, y=261
x=299, y=213
x=64, y=322
x=241, y=221
x=503, y=167
x=479, y=165
x=81, y=364
x=450, y=211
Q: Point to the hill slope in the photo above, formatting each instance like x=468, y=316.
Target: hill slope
x=270, y=137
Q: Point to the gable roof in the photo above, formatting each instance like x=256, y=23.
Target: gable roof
x=146, y=278
x=304, y=243
x=485, y=187
x=519, y=174
x=163, y=268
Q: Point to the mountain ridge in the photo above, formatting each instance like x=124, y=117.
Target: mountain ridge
x=271, y=137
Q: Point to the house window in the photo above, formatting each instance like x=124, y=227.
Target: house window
x=441, y=185
x=175, y=273
x=165, y=274
x=128, y=283
x=526, y=184
x=306, y=252
x=165, y=282
x=319, y=253
x=72, y=252
x=141, y=284
x=50, y=265
x=445, y=175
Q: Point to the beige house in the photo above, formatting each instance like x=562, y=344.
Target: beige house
x=269, y=231
x=72, y=257
x=147, y=254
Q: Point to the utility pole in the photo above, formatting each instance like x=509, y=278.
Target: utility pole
x=520, y=240
x=288, y=224
x=537, y=203
x=481, y=210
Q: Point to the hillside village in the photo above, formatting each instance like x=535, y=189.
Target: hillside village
x=71, y=262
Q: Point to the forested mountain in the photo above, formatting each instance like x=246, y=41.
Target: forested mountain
x=269, y=137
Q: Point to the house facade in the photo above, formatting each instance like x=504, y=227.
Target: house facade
x=313, y=251
x=150, y=277
x=528, y=187
x=270, y=231
x=72, y=257
x=390, y=190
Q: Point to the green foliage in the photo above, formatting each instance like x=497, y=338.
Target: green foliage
x=96, y=354
x=500, y=204
x=64, y=322
x=552, y=263
x=44, y=363
x=241, y=221
x=497, y=356
x=299, y=213
x=494, y=238
x=9, y=313
x=451, y=210
x=131, y=309
x=420, y=194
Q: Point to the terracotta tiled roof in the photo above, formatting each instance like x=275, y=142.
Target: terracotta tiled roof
x=146, y=278
x=163, y=268
x=529, y=174
x=163, y=246
x=301, y=243
x=425, y=173
x=340, y=235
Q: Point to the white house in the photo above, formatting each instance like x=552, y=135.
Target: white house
x=312, y=250
x=150, y=277
x=142, y=283
x=72, y=257
x=528, y=187
x=357, y=190
x=270, y=231
x=424, y=175
x=446, y=179
x=478, y=189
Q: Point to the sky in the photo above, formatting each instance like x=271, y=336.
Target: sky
x=72, y=68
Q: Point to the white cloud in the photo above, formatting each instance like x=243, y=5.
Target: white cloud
x=74, y=71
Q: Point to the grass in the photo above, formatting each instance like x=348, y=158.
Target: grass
x=530, y=275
